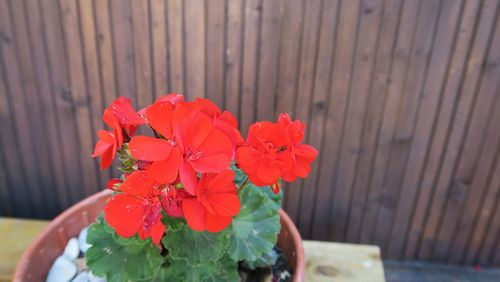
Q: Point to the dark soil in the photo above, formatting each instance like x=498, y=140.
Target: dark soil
x=279, y=272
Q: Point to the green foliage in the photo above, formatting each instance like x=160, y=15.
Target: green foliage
x=222, y=270
x=121, y=259
x=195, y=248
x=129, y=164
x=266, y=259
x=255, y=229
x=189, y=255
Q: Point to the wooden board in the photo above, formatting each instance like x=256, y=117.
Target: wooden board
x=16, y=236
x=342, y=262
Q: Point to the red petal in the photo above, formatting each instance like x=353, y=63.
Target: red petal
x=137, y=184
x=123, y=110
x=106, y=136
x=222, y=183
x=107, y=158
x=269, y=171
x=248, y=158
x=149, y=148
x=100, y=148
x=172, y=98
x=188, y=177
x=166, y=171
x=217, y=223
x=225, y=204
x=212, y=163
x=157, y=232
x=160, y=116
x=194, y=213
x=112, y=182
x=125, y=214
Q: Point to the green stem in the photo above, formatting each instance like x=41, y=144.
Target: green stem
x=245, y=183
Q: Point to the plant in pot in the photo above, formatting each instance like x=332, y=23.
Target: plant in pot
x=196, y=201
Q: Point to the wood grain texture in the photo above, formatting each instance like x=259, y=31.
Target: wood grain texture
x=400, y=98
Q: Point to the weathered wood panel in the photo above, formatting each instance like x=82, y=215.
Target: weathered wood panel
x=401, y=98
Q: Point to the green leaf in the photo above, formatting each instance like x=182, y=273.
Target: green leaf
x=266, y=259
x=195, y=247
x=121, y=259
x=222, y=270
x=255, y=229
x=172, y=223
x=239, y=175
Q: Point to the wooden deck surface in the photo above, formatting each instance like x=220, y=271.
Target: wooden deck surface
x=325, y=261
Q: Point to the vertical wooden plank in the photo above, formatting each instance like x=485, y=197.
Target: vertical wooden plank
x=79, y=95
x=289, y=55
x=252, y=18
x=233, y=52
x=142, y=53
x=475, y=165
x=17, y=98
x=175, y=18
x=7, y=203
x=342, y=74
x=478, y=221
x=390, y=117
x=105, y=55
x=346, y=25
x=268, y=60
x=318, y=113
x=359, y=84
x=37, y=122
x=11, y=162
x=48, y=111
x=487, y=247
x=215, y=51
x=403, y=136
x=194, y=27
x=446, y=107
x=159, y=45
x=121, y=30
x=430, y=100
x=490, y=252
x=305, y=87
x=62, y=98
x=374, y=111
x=105, y=51
x=456, y=130
x=93, y=79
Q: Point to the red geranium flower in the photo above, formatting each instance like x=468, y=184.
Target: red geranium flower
x=215, y=204
x=225, y=121
x=262, y=156
x=301, y=155
x=192, y=144
x=137, y=210
x=109, y=142
x=171, y=200
x=129, y=120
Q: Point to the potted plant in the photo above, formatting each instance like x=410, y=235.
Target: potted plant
x=196, y=201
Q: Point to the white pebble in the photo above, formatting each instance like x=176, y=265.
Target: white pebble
x=82, y=240
x=61, y=271
x=82, y=277
x=72, y=250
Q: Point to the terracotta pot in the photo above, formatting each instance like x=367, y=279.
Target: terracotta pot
x=38, y=257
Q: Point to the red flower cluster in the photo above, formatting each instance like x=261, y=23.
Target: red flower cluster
x=184, y=170
x=274, y=150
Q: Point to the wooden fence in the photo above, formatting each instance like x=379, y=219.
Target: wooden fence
x=401, y=99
